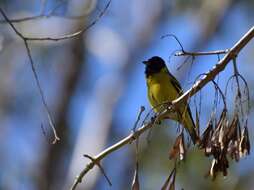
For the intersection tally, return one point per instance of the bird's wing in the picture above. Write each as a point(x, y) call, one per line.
point(176, 84)
point(190, 125)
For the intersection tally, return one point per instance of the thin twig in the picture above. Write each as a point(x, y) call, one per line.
point(220, 66)
point(182, 52)
point(185, 61)
point(23, 19)
point(56, 138)
point(100, 167)
point(237, 79)
point(51, 123)
point(135, 182)
point(174, 36)
point(127, 140)
point(63, 37)
point(141, 110)
point(43, 15)
point(239, 94)
point(201, 53)
point(26, 39)
point(11, 25)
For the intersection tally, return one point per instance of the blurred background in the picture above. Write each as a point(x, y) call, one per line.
point(94, 86)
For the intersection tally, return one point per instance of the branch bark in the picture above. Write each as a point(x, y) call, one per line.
point(209, 76)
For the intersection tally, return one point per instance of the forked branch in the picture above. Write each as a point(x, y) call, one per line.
point(28, 51)
point(231, 54)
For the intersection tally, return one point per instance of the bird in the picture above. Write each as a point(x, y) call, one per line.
point(162, 88)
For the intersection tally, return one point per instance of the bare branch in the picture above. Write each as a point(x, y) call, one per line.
point(182, 52)
point(23, 19)
point(220, 66)
point(127, 140)
point(201, 53)
point(51, 123)
point(209, 76)
point(216, 86)
point(11, 25)
point(174, 36)
point(100, 167)
point(142, 109)
point(63, 37)
point(43, 15)
point(26, 39)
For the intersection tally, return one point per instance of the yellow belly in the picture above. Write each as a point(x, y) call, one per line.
point(160, 90)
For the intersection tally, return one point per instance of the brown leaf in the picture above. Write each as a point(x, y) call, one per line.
point(219, 165)
point(232, 133)
point(197, 123)
point(170, 182)
point(223, 164)
point(176, 148)
point(232, 139)
point(214, 169)
point(233, 150)
point(222, 133)
point(222, 118)
point(135, 181)
point(206, 138)
point(216, 138)
point(182, 149)
point(244, 146)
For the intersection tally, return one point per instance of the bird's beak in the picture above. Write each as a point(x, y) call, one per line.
point(145, 62)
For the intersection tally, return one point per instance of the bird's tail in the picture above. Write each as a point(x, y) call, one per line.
point(189, 125)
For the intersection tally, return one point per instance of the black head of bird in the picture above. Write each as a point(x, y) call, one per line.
point(154, 65)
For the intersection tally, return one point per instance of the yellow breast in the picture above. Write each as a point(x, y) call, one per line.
point(160, 90)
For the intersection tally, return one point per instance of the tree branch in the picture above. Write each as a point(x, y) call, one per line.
point(43, 15)
point(63, 37)
point(50, 119)
point(209, 76)
point(220, 66)
point(201, 53)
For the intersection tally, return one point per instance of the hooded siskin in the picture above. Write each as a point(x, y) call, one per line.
point(163, 87)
